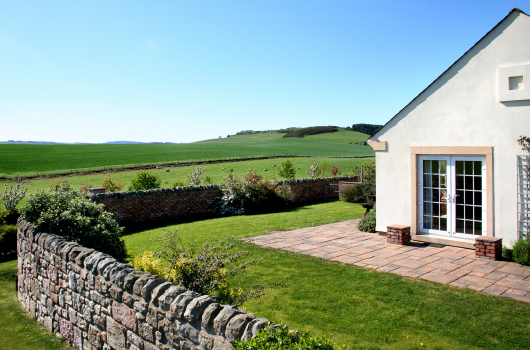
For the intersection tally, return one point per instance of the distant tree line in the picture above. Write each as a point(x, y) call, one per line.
point(369, 129)
point(313, 130)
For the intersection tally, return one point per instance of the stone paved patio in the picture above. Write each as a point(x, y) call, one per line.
point(444, 264)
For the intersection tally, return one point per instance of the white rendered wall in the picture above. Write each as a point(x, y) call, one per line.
point(461, 108)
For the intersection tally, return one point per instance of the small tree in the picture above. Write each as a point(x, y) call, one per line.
point(13, 196)
point(314, 170)
point(194, 178)
point(145, 180)
point(287, 170)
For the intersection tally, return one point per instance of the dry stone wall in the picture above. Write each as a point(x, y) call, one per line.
point(96, 302)
point(188, 202)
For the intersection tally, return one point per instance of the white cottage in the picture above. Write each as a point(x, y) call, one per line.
point(447, 163)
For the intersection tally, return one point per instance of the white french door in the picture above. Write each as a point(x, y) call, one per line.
point(452, 195)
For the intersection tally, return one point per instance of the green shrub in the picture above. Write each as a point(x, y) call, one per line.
point(357, 193)
point(145, 180)
point(8, 238)
point(367, 224)
point(251, 195)
point(507, 252)
point(521, 251)
point(65, 212)
point(281, 338)
point(287, 170)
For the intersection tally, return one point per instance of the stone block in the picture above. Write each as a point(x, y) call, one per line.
point(223, 318)
point(178, 307)
point(125, 315)
point(236, 327)
point(116, 335)
point(196, 307)
point(166, 299)
point(150, 286)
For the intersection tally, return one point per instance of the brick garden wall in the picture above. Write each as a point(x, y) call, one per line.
point(96, 302)
point(189, 202)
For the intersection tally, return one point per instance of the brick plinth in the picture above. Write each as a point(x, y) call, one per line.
point(488, 247)
point(398, 234)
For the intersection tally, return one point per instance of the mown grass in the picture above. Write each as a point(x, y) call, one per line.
point(361, 308)
point(214, 171)
point(18, 331)
point(35, 159)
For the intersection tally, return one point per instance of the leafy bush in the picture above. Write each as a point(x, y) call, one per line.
point(281, 338)
point(65, 212)
point(335, 171)
point(251, 196)
point(521, 251)
point(145, 180)
point(357, 193)
point(507, 252)
point(367, 224)
point(8, 238)
point(110, 185)
point(204, 270)
point(287, 170)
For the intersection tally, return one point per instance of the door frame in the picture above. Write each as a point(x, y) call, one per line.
point(451, 191)
point(484, 151)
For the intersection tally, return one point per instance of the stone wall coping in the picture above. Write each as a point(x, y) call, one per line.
point(488, 239)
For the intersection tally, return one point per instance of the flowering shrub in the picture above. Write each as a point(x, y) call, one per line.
point(65, 212)
point(357, 193)
point(84, 189)
point(110, 185)
point(204, 270)
point(251, 195)
point(335, 171)
point(145, 180)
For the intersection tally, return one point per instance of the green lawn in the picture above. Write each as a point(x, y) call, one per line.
point(36, 159)
point(17, 329)
point(214, 171)
point(361, 308)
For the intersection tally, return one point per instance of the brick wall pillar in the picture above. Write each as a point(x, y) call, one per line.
point(398, 234)
point(488, 247)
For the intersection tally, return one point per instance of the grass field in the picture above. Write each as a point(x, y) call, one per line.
point(37, 159)
point(361, 308)
point(214, 171)
point(18, 331)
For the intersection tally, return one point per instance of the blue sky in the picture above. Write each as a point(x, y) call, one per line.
point(183, 71)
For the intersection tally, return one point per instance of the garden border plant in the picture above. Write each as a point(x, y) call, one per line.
point(65, 212)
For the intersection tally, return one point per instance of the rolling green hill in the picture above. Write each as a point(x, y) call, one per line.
point(31, 159)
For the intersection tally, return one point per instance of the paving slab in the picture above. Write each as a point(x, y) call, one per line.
point(458, 267)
